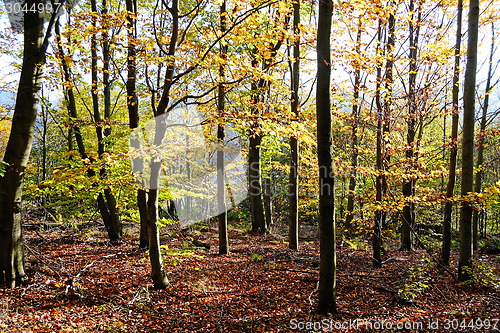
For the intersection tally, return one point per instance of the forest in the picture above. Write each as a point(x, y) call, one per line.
point(249, 166)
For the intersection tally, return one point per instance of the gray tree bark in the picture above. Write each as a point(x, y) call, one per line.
point(354, 135)
point(293, 181)
point(221, 181)
point(481, 141)
point(328, 260)
point(452, 169)
point(12, 260)
point(466, 250)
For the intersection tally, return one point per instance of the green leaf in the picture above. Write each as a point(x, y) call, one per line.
point(3, 165)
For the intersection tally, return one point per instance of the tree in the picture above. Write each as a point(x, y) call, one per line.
point(466, 249)
point(258, 88)
point(12, 265)
point(379, 181)
point(408, 185)
point(354, 136)
point(481, 141)
point(133, 111)
point(450, 187)
point(293, 182)
point(328, 260)
point(106, 200)
point(221, 183)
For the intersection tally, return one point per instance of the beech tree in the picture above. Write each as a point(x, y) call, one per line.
point(466, 246)
point(328, 260)
point(133, 111)
point(221, 183)
point(293, 182)
point(36, 39)
point(450, 187)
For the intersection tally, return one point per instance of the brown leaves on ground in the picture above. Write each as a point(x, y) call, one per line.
point(79, 282)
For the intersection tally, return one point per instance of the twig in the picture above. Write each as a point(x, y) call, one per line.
point(39, 257)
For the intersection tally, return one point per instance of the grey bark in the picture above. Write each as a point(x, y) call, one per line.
point(466, 250)
point(354, 135)
point(450, 187)
point(328, 260)
point(12, 260)
point(481, 141)
point(293, 181)
point(408, 186)
point(221, 187)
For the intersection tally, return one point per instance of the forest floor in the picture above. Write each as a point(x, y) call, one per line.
point(79, 282)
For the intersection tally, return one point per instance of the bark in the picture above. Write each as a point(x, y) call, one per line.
point(328, 264)
point(389, 80)
point(466, 250)
point(450, 187)
point(354, 135)
point(69, 95)
point(254, 167)
point(12, 260)
point(160, 280)
point(221, 188)
point(268, 204)
point(293, 181)
point(376, 242)
point(408, 186)
point(480, 148)
point(105, 201)
point(133, 115)
point(254, 161)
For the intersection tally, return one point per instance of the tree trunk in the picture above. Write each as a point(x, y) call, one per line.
point(254, 165)
point(328, 264)
point(377, 242)
point(106, 201)
point(133, 115)
point(480, 148)
point(12, 261)
point(255, 183)
point(354, 135)
point(268, 204)
point(389, 80)
point(160, 280)
point(293, 181)
point(408, 186)
point(466, 251)
point(221, 181)
point(448, 207)
point(254, 162)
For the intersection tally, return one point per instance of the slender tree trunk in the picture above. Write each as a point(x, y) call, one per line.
point(408, 186)
point(389, 80)
point(254, 161)
point(106, 201)
point(480, 148)
point(268, 204)
point(160, 280)
point(377, 242)
point(133, 114)
point(354, 134)
point(254, 165)
point(328, 260)
point(12, 260)
point(448, 207)
point(293, 181)
point(466, 250)
point(44, 149)
point(221, 181)
point(69, 94)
